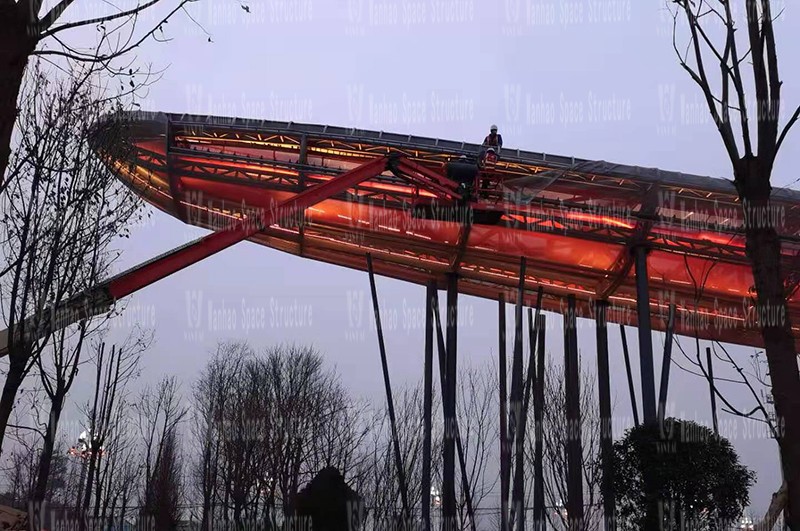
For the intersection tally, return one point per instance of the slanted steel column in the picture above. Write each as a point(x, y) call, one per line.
point(398, 460)
point(645, 335)
point(504, 454)
point(606, 443)
point(533, 333)
point(462, 462)
point(449, 399)
point(631, 390)
point(572, 388)
point(665, 364)
point(539, 517)
point(516, 388)
point(711, 391)
point(427, 407)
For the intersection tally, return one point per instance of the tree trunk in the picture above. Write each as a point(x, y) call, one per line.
point(14, 378)
point(764, 250)
point(774, 510)
point(87, 494)
point(123, 510)
point(46, 457)
point(15, 48)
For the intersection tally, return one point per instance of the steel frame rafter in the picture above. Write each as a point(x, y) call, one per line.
point(545, 207)
point(622, 266)
point(268, 165)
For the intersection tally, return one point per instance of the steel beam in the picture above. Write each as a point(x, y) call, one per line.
point(430, 179)
point(539, 517)
point(665, 365)
point(440, 181)
point(572, 388)
point(629, 372)
point(645, 335)
point(604, 400)
point(398, 460)
point(427, 407)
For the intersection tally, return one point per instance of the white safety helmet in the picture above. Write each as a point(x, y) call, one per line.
point(493, 128)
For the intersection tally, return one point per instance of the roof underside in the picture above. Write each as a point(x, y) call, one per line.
point(574, 220)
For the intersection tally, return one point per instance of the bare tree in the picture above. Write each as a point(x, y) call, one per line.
point(264, 424)
point(554, 444)
point(27, 438)
point(754, 378)
point(479, 428)
point(56, 385)
point(62, 213)
point(165, 486)
point(300, 387)
point(752, 158)
point(27, 30)
point(210, 400)
point(20, 467)
point(338, 432)
point(111, 469)
point(160, 413)
point(245, 435)
point(106, 414)
point(375, 479)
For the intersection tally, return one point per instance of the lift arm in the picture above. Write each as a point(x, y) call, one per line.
point(99, 299)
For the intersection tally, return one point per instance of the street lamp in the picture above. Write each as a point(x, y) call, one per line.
point(436, 498)
point(84, 447)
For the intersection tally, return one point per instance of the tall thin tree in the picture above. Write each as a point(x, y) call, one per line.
point(752, 137)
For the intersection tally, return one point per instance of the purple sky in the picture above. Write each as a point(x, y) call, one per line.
point(595, 79)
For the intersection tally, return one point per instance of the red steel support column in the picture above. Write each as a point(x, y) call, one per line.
point(101, 296)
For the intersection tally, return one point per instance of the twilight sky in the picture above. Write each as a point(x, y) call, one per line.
point(595, 79)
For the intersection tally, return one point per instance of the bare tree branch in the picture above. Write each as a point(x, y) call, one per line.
point(786, 128)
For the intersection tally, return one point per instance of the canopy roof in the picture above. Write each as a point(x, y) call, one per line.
point(575, 221)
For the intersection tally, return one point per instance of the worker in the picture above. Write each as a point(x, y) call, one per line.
point(493, 140)
point(492, 143)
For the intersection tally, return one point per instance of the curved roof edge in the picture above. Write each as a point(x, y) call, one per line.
point(159, 119)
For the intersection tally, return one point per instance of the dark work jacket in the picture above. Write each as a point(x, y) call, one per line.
point(497, 142)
